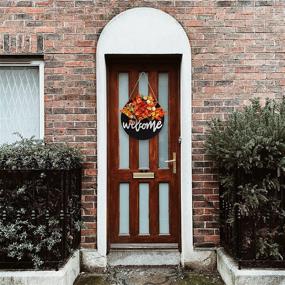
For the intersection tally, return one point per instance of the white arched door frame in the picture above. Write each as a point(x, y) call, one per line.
point(145, 31)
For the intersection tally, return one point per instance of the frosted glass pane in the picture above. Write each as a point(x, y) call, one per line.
point(143, 144)
point(163, 135)
point(124, 209)
point(19, 103)
point(164, 208)
point(144, 208)
point(143, 154)
point(123, 136)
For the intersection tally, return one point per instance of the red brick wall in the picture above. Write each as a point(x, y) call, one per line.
point(238, 50)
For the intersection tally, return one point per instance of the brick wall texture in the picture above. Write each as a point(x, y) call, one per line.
point(238, 52)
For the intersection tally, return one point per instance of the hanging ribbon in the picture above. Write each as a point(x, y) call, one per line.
point(136, 84)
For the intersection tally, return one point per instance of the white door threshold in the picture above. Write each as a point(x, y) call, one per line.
point(153, 246)
point(144, 257)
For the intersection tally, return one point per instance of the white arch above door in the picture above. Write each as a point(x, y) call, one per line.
point(145, 31)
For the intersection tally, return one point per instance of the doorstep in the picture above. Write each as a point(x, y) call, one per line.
point(231, 275)
point(144, 257)
point(200, 259)
point(64, 276)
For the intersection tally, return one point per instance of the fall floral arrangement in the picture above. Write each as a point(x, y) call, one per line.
point(143, 107)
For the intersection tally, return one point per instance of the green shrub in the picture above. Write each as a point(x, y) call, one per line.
point(39, 203)
point(249, 139)
point(23, 240)
point(249, 151)
point(34, 154)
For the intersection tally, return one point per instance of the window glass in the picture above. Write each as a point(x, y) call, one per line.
point(163, 135)
point(19, 102)
point(143, 144)
point(123, 136)
point(143, 208)
point(124, 209)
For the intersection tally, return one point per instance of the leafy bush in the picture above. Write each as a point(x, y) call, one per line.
point(23, 240)
point(252, 138)
point(39, 204)
point(34, 154)
point(249, 150)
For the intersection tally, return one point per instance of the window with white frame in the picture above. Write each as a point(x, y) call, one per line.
point(20, 101)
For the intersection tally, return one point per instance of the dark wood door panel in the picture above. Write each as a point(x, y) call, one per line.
point(116, 176)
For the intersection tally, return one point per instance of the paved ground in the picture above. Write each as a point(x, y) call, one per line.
point(148, 276)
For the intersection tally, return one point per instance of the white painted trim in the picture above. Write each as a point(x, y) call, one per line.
point(145, 31)
point(42, 98)
point(40, 65)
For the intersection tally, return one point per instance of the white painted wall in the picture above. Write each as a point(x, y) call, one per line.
point(231, 275)
point(64, 276)
point(145, 31)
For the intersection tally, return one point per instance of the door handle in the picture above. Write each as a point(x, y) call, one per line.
point(173, 160)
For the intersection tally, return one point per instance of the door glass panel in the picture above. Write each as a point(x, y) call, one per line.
point(163, 208)
point(144, 208)
point(163, 135)
point(124, 209)
point(123, 136)
point(143, 144)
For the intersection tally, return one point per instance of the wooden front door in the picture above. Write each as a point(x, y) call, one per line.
point(143, 208)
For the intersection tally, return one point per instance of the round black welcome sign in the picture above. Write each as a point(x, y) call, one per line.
point(141, 130)
point(142, 117)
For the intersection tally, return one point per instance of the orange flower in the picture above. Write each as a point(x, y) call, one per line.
point(141, 108)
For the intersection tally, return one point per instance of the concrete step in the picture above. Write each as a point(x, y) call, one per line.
point(143, 257)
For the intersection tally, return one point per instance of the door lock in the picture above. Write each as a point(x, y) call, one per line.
point(173, 160)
